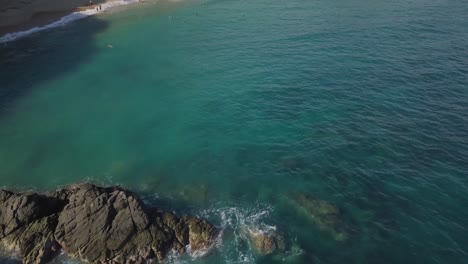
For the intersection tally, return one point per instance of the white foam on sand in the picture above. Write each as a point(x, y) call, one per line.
point(65, 20)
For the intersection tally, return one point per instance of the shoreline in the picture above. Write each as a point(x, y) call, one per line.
point(37, 20)
point(40, 21)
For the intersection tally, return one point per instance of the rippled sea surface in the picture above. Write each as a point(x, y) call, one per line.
point(248, 111)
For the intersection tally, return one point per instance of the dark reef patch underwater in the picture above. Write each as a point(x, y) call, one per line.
point(321, 131)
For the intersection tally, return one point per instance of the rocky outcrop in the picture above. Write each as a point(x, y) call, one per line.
point(96, 225)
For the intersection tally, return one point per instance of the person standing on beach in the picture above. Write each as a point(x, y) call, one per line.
point(100, 7)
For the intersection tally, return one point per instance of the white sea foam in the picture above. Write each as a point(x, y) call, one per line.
point(173, 257)
point(65, 20)
point(235, 223)
point(238, 223)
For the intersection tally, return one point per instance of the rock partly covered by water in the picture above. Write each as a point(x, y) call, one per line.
point(96, 225)
point(267, 242)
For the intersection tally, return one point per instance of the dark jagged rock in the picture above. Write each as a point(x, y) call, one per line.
point(35, 242)
point(18, 209)
point(96, 225)
point(97, 222)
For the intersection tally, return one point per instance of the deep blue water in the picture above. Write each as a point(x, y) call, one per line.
point(231, 109)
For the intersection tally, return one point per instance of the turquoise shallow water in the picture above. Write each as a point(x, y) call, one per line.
point(230, 109)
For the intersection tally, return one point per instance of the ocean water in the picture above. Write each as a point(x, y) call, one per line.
point(231, 109)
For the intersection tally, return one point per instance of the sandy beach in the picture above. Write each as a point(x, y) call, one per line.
point(22, 15)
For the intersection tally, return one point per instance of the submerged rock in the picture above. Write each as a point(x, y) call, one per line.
point(199, 194)
point(292, 163)
point(325, 215)
point(96, 225)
